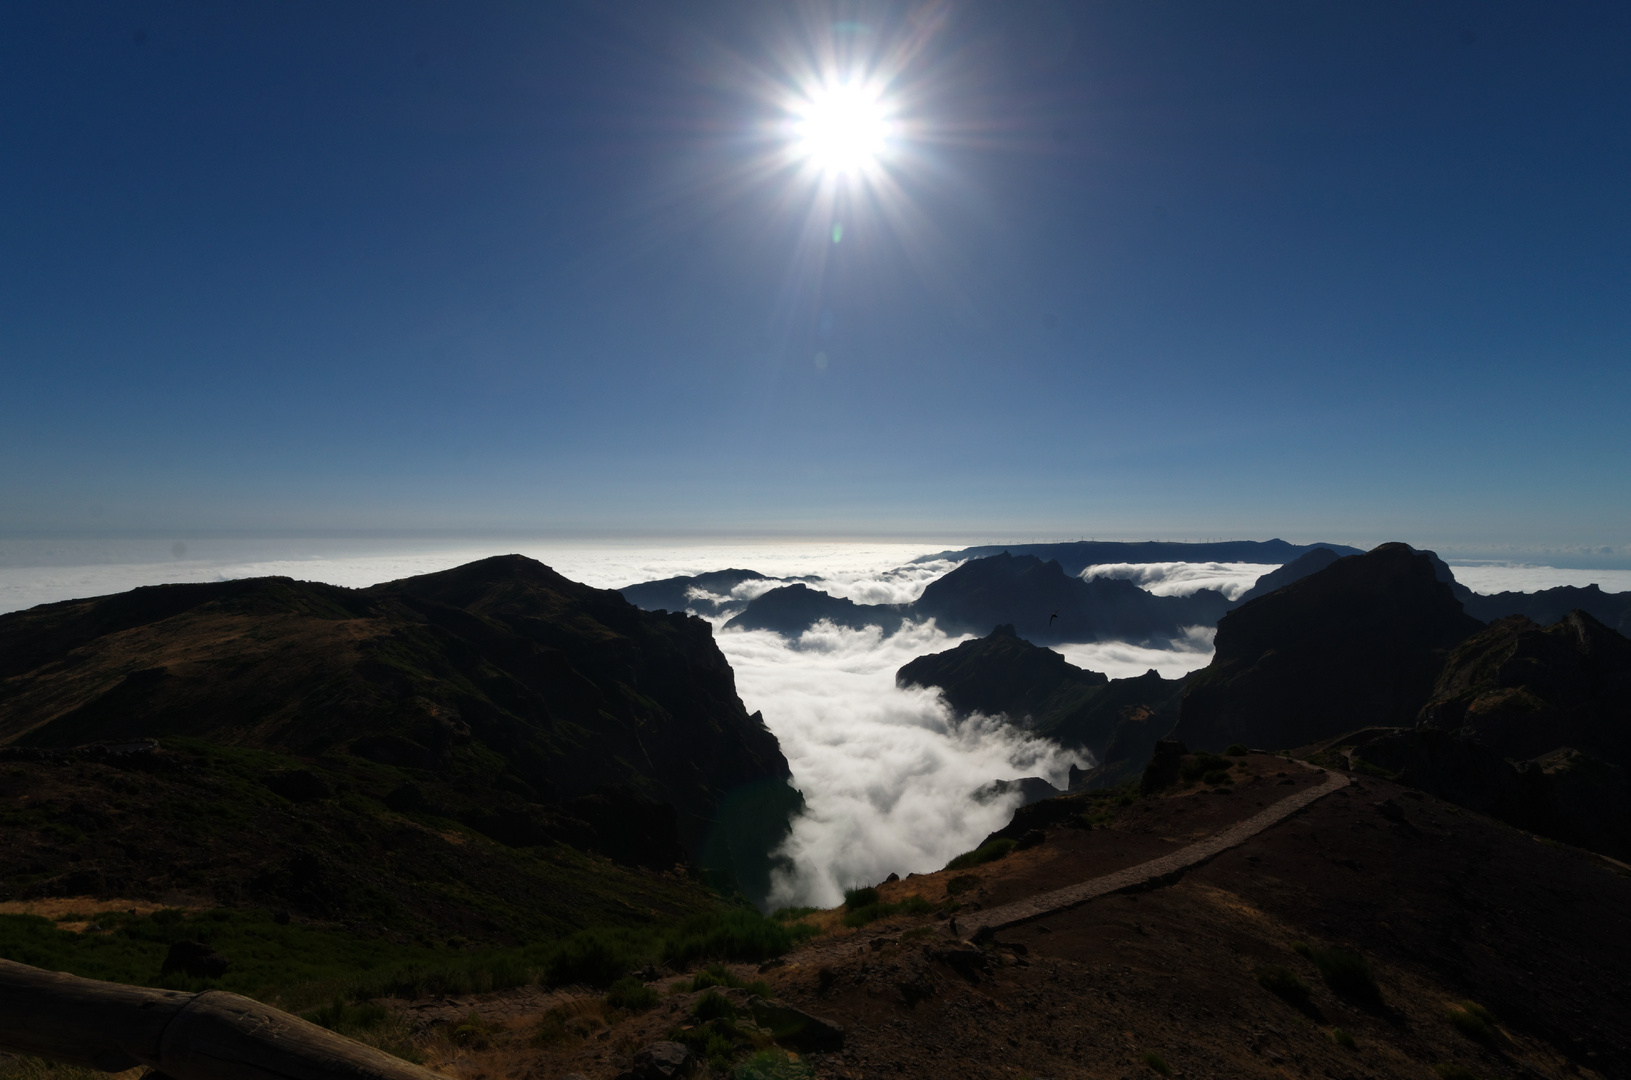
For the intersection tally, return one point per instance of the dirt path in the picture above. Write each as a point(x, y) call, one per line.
point(1155, 870)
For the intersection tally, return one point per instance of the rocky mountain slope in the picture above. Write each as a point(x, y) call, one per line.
point(1355, 645)
point(1378, 933)
point(1530, 724)
point(500, 695)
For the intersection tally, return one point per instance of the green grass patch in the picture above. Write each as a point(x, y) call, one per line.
point(990, 851)
point(1449, 1071)
point(1343, 1039)
point(1156, 1062)
point(912, 905)
point(792, 914)
point(303, 967)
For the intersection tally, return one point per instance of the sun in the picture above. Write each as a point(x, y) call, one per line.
point(843, 127)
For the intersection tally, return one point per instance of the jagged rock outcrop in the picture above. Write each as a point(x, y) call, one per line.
point(1528, 724)
point(1355, 645)
point(1526, 690)
point(528, 706)
point(1548, 606)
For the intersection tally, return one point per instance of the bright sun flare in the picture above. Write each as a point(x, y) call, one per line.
point(843, 128)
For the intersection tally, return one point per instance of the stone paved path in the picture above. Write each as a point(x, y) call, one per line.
point(1152, 872)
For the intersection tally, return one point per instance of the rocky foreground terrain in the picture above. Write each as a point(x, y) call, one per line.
point(1377, 933)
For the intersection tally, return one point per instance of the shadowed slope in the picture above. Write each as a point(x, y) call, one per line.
point(502, 687)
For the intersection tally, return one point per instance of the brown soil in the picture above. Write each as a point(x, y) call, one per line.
point(1445, 905)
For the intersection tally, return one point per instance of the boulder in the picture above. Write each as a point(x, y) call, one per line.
point(660, 1061)
point(795, 1027)
point(1162, 771)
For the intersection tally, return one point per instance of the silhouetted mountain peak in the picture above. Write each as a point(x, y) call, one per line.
point(1356, 644)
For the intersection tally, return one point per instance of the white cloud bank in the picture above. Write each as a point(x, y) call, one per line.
point(887, 775)
point(1184, 578)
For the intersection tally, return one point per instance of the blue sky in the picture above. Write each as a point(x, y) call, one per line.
point(1315, 270)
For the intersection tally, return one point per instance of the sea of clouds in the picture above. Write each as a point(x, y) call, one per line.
point(887, 774)
point(1184, 579)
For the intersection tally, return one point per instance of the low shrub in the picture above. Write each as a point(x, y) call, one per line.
point(961, 884)
point(737, 934)
point(631, 995)
point(1448, 1071)
point(860, 898)
point(593, 958)
point(1343, 1039)
point(1236, 750)
point(713, 1006)
point(1156, 1062)
point(1347, 974)
point(990, 851)
point(1284, 984)
point(1217, 776)
point(1475, 1022)
point(1199, 764)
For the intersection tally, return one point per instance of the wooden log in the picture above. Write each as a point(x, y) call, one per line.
point(215, 1035)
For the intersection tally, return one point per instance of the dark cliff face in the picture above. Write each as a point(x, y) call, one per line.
point(1357, 644)
point(516, 698)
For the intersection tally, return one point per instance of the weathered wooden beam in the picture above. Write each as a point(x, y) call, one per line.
point(215, 1035)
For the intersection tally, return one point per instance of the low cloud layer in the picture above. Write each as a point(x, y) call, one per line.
point(1121, 660)
point(887, 774)
point(1490, 578)
point(1184, 578)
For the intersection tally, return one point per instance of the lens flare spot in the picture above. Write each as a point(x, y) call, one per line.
point(837, 233)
